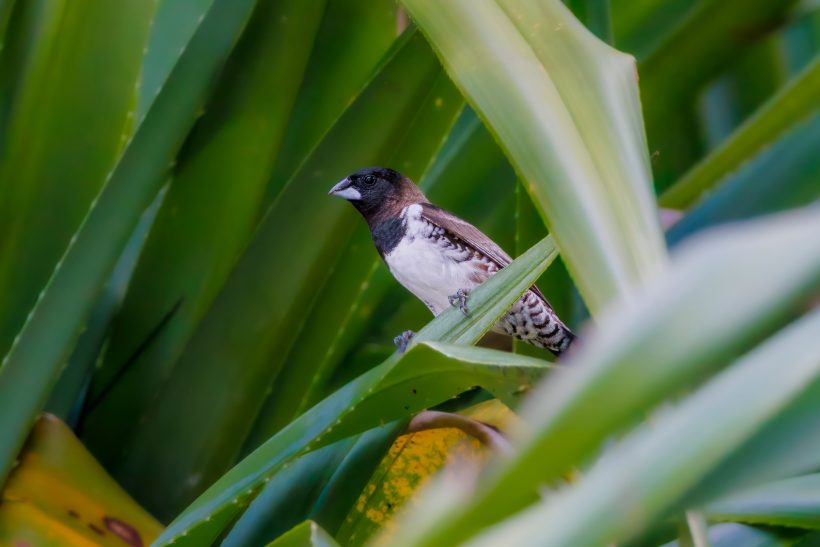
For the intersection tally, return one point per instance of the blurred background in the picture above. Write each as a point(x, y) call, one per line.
point(224, 293)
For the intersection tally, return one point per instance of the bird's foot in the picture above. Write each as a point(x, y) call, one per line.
point(403, 340)
point(459, 300)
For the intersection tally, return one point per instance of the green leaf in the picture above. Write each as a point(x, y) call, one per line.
point(173, 26)
point(564, 106)
point(352, 39)
point(733, 535)
point(321, 486)
point(307, 534)
point(68, 122)
point(793, 103)
point(790, 502)
point(678, 68)
point(781, 177)
point(647, 473)
point(31, 367)
point(206, 218)
point(251, 323)
point(645, 350)
point(402, 385)
point(380, 395)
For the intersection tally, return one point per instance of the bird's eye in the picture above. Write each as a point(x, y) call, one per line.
point(369, 180)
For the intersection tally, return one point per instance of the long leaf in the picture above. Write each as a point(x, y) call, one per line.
point(792, 104)
point(237, 351)
point(565, 108)
point(683, 327)
point(67, 125)
point(781, 177)
point(650, 471)
point(341, 414)
point(790, 502)
point(30, 368)
point(206, 219)
point(678, 67)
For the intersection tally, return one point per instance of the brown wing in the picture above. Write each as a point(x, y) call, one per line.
point(470, 235)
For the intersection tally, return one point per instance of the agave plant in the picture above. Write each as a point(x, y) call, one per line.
point(181, 292)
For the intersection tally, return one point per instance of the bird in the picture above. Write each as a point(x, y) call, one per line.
point(440, 258)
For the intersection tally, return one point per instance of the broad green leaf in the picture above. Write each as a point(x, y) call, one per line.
point(60, 495)
point(683, 327)
point(679, 66)
point(233, 358)
point(320, 486)
point(307, 534)
point(206, 219)
point(68, 122)
point(564, 106)
point(31, 367)
point(790, 502)
point(342, 414)
point(793, 103)
point(781, 177)
point(647, 473)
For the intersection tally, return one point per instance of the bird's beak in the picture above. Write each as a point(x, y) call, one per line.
point(344, 190)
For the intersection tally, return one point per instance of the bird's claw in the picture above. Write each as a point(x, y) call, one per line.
point(403, 340)
point(459, 300)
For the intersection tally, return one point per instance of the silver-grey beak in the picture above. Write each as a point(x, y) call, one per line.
point(343, 189)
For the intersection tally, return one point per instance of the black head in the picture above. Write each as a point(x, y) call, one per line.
point(377, 191)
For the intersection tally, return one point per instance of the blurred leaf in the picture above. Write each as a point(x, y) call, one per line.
point(68, 122)
point(307, 534)
point(747, 83)
point(781, 177)
point(319, 485)
point(790, 502)
point(647, 349)
point(59, 495)
point(565, 108)
point(352, 39)
point(173, 26)
point(639, 25)
point(31, 367)
point(792, 104)
point(412, 460)
point(680, 66)
point(596, 16)
point(647, 473)
point(233, 358)
point(341, 414)
point(734, 535)
point(68, 398)
point(205, 221)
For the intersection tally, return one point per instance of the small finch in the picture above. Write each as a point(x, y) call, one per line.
point(439, 257)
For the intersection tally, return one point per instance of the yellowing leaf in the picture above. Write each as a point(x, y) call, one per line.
point(59, 495)
point(409, 464)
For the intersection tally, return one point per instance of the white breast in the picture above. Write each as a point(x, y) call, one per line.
point(428, 266)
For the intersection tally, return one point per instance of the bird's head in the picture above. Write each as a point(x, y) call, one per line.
point(376, 191)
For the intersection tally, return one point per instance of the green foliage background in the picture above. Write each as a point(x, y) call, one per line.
point(180, 290)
